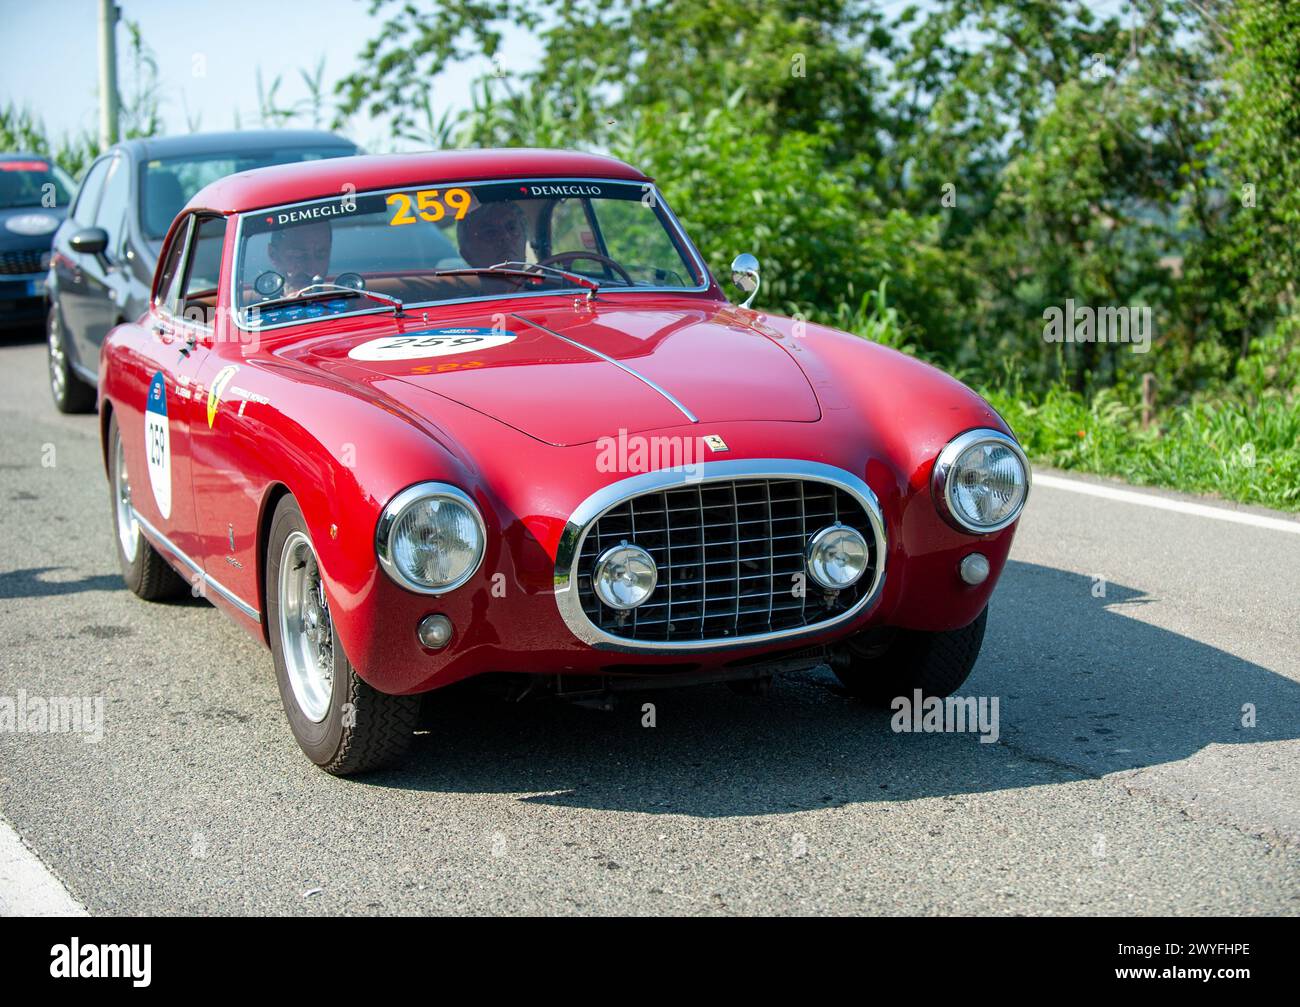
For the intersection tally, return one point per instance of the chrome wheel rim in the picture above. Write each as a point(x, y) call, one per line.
point(128, 529)
point(305, 629)
point(58, 362)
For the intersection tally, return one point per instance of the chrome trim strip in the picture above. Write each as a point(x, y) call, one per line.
point(393, 511)
point(698, 260)
point(941, 488)
point(617, 363)
point(585, 516)
point(208, 580)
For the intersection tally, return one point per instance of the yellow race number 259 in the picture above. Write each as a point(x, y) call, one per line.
point(430, 204)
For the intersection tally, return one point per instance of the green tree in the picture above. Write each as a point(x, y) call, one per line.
point(1261, 162)
point(985, 158)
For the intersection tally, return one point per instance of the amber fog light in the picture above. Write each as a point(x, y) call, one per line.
point(434, 631)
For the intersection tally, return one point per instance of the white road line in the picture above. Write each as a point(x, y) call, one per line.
point(1164, 503)
point(27, 888)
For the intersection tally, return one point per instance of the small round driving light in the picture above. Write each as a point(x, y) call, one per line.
point(837, 557)
point(974, 569)
point(625, 576)
point(434, 631)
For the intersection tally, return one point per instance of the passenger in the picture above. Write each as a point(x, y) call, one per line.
point(301, 254)
point(493, 234)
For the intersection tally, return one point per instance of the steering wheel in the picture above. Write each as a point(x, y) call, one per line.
point(568, 257)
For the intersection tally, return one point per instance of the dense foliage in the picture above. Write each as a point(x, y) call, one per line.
point(985, 160)
point(939, 176)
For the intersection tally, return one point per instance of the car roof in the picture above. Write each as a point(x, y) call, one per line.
point(242, 142)
point(24, 155)
point(292, 183)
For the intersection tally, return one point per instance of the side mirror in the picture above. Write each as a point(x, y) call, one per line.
point(744, 274)
point(89, 241)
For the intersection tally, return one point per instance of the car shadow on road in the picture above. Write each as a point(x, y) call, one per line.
point(32, 583)
point(1084, 689)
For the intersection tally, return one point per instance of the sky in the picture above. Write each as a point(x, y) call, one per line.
point(208, 54)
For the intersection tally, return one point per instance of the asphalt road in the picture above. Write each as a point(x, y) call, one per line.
point(1123, 780)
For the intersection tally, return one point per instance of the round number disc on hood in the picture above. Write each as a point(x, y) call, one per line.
point(431, 343)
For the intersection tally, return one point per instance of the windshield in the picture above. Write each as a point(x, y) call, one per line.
point(167, 184)
point(32, 182)
point(458, 242)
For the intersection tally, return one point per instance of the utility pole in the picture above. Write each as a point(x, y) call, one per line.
point(107, 74)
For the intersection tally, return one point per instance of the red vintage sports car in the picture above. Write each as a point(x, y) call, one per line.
point(411, 419)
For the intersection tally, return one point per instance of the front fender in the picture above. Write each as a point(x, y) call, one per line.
point(906, 412)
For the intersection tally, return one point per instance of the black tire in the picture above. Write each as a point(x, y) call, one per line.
point(70, 393)
point(935, 663)
point(146, 573)
point(362, 729)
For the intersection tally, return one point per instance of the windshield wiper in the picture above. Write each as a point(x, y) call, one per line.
point(583, 281)
point(489, 270)
point(316, 293)
point(530, 270)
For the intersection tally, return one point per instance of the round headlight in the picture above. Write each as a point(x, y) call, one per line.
point(430, 538)
point(624, 577)
point(837, 557)
point(981, 480)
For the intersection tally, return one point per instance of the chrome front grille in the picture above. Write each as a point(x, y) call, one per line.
point(731, 557)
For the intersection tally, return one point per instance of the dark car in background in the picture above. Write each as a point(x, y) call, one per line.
point(105, 251)
point(34, 195)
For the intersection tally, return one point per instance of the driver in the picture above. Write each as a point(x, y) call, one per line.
point(492, 234)
point(301, 254)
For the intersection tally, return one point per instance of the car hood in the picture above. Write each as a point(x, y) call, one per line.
point(573, 373)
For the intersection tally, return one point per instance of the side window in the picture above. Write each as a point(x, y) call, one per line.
point(203, 271)
point(111, 215)
point(88, 195)
point(169, 279)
